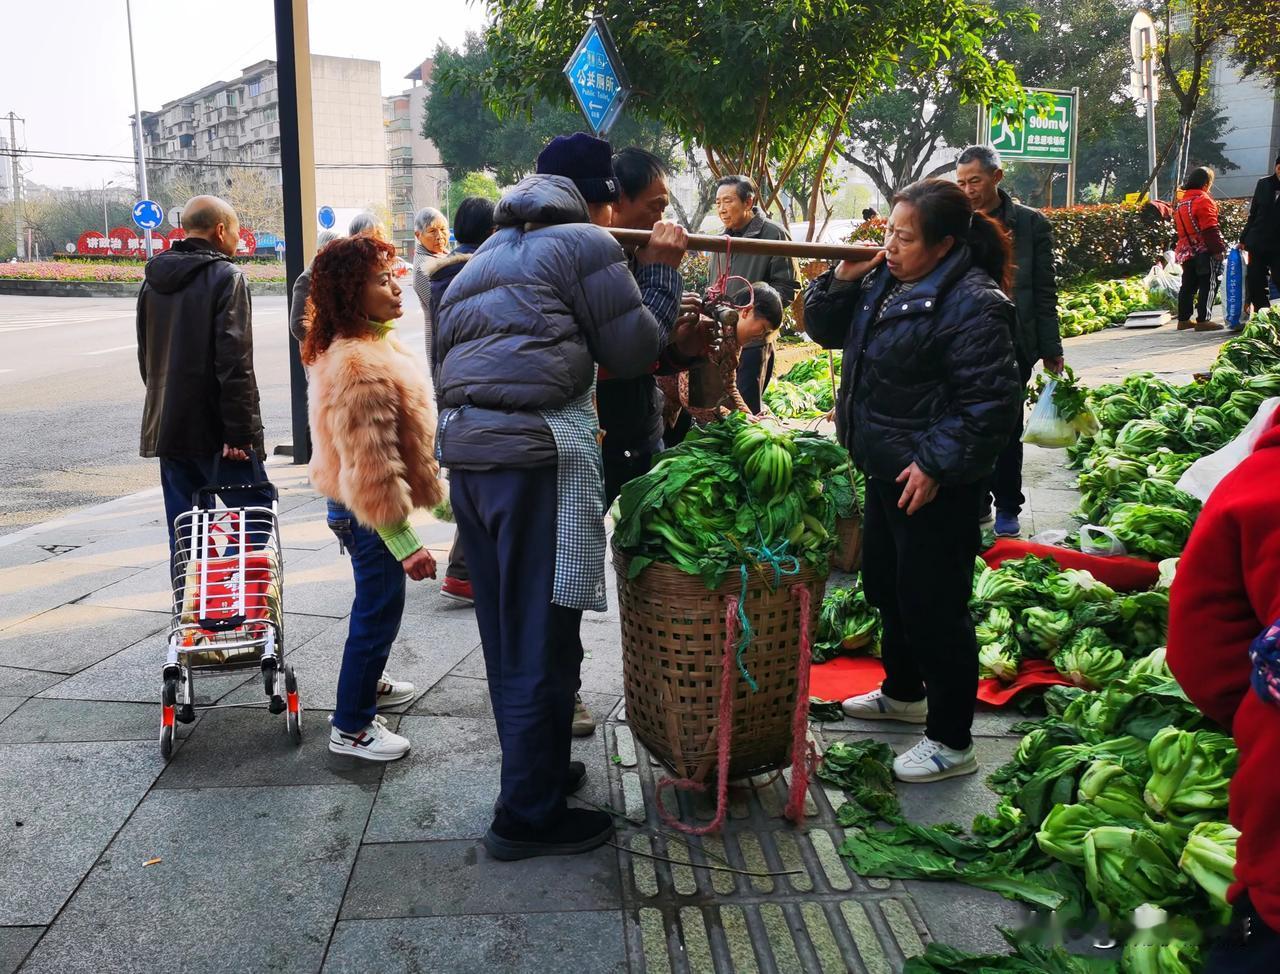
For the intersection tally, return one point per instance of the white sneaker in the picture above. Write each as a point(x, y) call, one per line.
point(931, 761)
point(876, 706)
point(374, 743)
point(394, 693)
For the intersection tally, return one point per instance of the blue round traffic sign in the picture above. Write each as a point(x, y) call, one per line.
point(147, 214)
point(326, 217)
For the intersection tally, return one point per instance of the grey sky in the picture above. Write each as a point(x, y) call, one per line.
point(66, 66)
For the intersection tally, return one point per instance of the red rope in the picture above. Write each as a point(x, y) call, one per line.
point(803, 756)
point(724, 734)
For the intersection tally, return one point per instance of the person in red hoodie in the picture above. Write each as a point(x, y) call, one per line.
point(1223, 617)
point(1200, 249)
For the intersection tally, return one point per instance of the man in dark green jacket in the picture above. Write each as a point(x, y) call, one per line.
point(736, 199)
point(1036, 295)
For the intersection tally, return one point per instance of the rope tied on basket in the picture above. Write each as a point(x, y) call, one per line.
point(783, 564)
point(803, 756)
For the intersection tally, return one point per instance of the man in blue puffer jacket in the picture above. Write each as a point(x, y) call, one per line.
point(522, 329)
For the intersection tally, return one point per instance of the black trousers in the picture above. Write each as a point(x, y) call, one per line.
point(755, 372)
point(1263, 269)
point(1197, 283)
point(532, 648)
point(918, 571)
point(619, 468)
point(1006, 480)
point(1259, 953)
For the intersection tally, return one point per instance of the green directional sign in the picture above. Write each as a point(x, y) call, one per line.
point(1045, 133)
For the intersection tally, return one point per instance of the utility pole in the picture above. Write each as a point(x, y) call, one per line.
point(137, 122)
point(17, 187)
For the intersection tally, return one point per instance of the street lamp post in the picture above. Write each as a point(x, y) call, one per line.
point(137, 120)
point(106, 230)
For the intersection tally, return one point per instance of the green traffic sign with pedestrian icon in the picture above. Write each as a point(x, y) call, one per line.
point(1044, 133)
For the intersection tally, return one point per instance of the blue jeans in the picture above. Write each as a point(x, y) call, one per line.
point(181, 477)
point(532, 649)
point(375, 619)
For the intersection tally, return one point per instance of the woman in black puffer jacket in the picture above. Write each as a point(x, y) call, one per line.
point(929, 395)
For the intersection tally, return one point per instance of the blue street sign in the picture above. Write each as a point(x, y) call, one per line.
point(326, 217)
point(147, 214)
point(597, 77)
point(279, 246)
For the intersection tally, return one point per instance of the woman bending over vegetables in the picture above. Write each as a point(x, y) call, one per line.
point(373, 423)
point(929, 395)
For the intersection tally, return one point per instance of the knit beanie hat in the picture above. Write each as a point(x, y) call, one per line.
point(587, 161)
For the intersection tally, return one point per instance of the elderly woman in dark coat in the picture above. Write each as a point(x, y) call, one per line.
point(929, 395)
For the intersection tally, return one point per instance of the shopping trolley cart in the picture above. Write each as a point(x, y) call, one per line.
point(228, 613)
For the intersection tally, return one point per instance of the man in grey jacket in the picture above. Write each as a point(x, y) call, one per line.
point(1036, 295)
point(736, 199)
point(521, 331)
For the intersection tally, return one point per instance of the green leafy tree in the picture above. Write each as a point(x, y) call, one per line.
point(472, 184)
point(761, 85)
point(472, 137)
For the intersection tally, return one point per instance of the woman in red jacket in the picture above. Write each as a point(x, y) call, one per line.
point(1200, 249)
point(1225, 600)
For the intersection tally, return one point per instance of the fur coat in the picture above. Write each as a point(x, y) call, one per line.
point(373, 422)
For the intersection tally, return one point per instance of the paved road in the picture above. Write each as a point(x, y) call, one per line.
point(71, 399)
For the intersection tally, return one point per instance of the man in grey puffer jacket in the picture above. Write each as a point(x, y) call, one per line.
point(521, 331)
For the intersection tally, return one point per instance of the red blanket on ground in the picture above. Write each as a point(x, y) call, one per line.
point(845, 676)
point(1122, 573)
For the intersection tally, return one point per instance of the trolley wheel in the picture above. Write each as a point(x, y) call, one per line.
point(293, 713)
point(168, 698)
point(269, 677)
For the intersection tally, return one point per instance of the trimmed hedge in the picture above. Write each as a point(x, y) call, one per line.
point(1107, 240)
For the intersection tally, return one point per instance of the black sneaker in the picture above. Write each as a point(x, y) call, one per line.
point(578, 830)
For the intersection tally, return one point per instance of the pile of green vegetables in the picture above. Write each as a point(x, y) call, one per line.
point(1151, 431)
point(1093, 307)
point(805, 391)
point(1030, 609)
point(847, 623)
point(1116, 799)
point(735, 492)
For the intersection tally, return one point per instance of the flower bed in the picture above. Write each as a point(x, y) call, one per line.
point(108, 271)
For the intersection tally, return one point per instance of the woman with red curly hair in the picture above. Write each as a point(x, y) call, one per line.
point(373, 423)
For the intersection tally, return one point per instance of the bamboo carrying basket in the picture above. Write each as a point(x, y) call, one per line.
point(847, 555)
point(673, 630)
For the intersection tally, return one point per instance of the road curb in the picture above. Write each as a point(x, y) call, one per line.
point(102, 289)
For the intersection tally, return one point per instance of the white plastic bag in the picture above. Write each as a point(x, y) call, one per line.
point(1164, 281)
point(1046, 427)
point(1095, 540)
point(1206, 473)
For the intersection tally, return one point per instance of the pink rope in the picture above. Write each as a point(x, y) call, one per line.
point(803, 758)
point(724, 734)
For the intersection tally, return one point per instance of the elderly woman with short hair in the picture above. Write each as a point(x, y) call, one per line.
point(431, 230)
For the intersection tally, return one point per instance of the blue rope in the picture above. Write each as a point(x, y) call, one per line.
point(783, 564)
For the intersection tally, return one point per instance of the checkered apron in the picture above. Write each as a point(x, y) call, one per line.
point(580, 541)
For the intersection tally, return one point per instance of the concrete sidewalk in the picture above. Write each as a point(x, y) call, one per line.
point(245, 853)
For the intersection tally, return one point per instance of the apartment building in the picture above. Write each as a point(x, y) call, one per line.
point(238, 122)
point(415, 177)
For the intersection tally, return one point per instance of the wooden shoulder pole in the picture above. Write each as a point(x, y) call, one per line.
point(774, 248)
